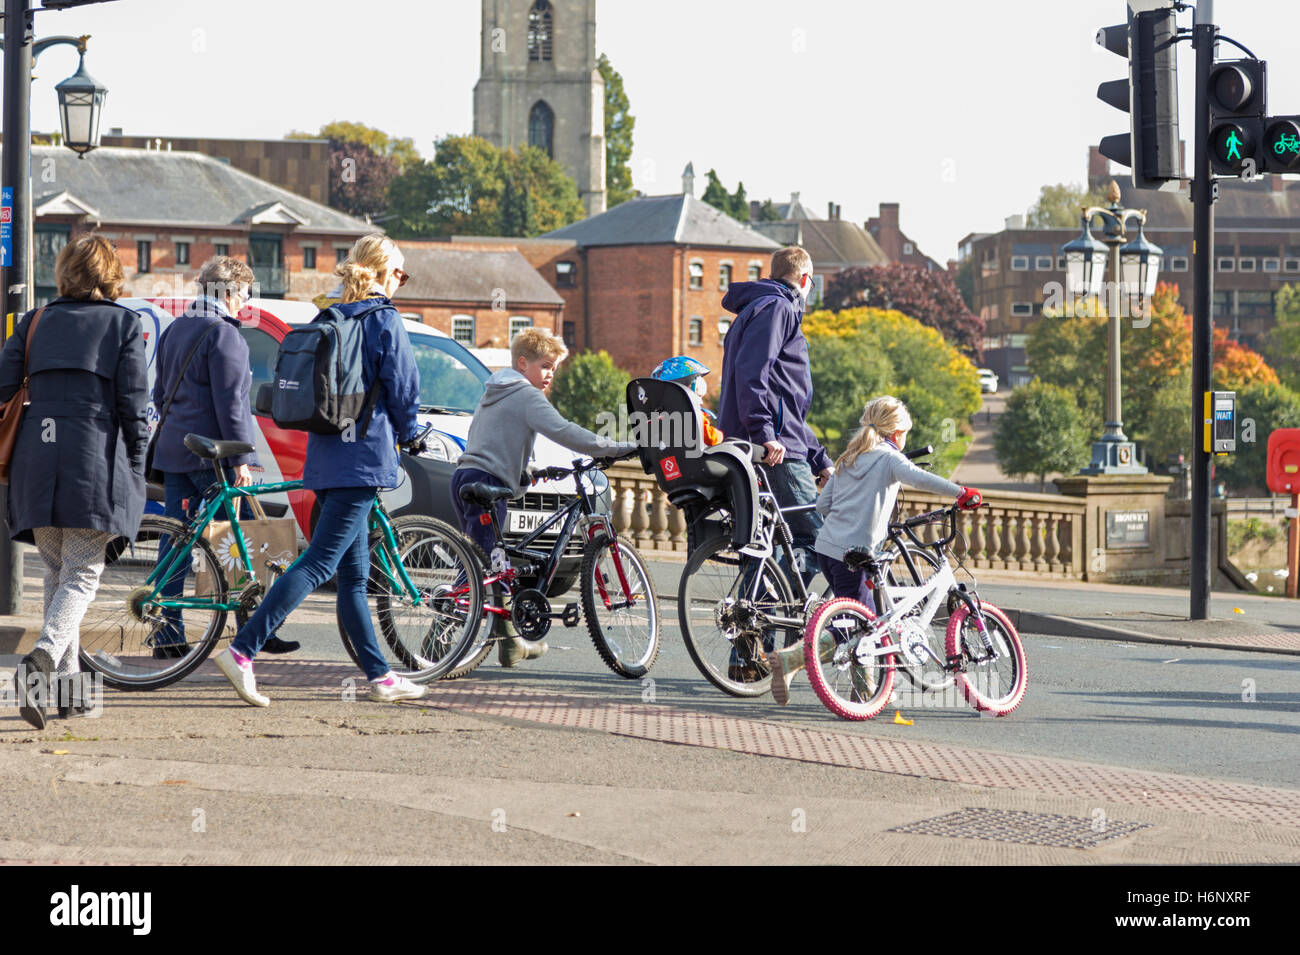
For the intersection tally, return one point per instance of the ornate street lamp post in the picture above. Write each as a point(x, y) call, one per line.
point(1134, 269)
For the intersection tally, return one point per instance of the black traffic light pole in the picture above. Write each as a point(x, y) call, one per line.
point(1204, 192)
point(15, 289)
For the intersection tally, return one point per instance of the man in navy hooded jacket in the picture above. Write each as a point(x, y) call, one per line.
point(767, 388)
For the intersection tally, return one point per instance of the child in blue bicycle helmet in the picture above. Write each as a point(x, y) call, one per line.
point(690, 373)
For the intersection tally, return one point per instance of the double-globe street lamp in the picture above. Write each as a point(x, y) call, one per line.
point(1134, 270)
point(81, 100)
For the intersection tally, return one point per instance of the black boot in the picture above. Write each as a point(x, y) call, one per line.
point(276, 645)
point(33, 683)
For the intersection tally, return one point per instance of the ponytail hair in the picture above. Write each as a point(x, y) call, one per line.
point(368, 263)
point(882, 416)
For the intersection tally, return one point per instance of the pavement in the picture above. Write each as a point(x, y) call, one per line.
point(979, 466)
point(497, 769)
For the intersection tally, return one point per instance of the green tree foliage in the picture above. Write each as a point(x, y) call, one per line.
point(847, 372)
point(619, 123)
point(1069, 351)
point(861, 353)
point(474, 188)
point(734, 204)
point(1262, 408)
point(929, 297)
point(1040, 433)
point(1059, 206)
point(588, 384)
point(767, 212)
point(402, 151)
point(1281, 346)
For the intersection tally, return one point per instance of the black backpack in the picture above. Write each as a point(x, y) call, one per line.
point(319, 381)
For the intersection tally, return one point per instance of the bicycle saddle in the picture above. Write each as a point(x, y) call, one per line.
point(861, 560)
point(483, 494)
point(216, 450)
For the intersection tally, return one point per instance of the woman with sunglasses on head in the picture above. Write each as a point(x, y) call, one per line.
point(346, 471)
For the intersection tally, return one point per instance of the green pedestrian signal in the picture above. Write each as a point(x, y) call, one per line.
point(1234, 145)
point(1230, 145)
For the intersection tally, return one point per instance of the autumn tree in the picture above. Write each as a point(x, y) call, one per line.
point(619, 123)
point(861, 353)
point(364, 161)
point(929, 297)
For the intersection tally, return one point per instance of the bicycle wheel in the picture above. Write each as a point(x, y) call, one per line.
point(723, 601)
point(126, 636)
point(481, 645)
point(922, 672)
point(619, 602)
point(852, 686)
point(422, 641)
point(996, 686)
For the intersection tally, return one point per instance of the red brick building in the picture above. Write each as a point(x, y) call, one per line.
point(168, 212)
point(885, 229)
point(481, 297)
point(645, 280)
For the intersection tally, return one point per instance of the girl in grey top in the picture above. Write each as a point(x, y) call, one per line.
point(856, 505)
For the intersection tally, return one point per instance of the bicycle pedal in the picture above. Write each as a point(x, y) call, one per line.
point(569, 616)
point(955, 664)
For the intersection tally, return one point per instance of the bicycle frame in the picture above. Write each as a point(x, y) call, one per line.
point(391, 564)
point(581, 508)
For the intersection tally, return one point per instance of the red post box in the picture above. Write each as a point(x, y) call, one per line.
point(1283, 472)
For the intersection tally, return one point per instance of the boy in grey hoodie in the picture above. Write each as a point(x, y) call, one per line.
point(512, 412)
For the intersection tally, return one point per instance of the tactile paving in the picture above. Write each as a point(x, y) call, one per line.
point(666, 723)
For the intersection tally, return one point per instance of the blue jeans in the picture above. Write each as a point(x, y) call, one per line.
point(792, 484)
point(341, 543)
point(183, 500)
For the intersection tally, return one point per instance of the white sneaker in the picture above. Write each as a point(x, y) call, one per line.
point(241, 678)
point(393, 688)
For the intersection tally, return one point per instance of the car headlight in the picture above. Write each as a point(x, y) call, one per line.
point(442, 448)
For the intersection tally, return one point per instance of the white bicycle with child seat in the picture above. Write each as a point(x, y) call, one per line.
point(852, 652)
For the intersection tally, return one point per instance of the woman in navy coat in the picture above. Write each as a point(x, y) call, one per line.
point(77, 474)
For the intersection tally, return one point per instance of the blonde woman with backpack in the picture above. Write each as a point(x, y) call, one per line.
point(346, 471)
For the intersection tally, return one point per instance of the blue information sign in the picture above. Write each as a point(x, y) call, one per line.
point(6, 227)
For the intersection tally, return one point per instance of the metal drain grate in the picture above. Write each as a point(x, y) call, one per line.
point(1028, 828)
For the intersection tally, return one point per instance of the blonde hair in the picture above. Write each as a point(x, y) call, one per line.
point(368, 263)
point(88, 268)
point(534, 343)
point(790, 263)
point(881, 416)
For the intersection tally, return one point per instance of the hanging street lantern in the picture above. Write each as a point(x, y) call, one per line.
point(81, 102)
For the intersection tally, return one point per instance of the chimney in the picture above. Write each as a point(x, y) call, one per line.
point(889, 215)
point(838, 209)
point(688, 180)
point(830, 211)
point(755, 207)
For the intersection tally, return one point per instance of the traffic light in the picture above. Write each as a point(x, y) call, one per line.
point(1149, 95)
point(1237, 101)
point(1282, 144)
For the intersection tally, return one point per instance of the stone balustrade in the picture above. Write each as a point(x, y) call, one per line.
point(1038, 534)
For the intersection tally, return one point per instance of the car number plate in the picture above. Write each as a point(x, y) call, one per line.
point(525, 522)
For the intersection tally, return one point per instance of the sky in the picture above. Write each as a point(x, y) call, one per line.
point(959, 110)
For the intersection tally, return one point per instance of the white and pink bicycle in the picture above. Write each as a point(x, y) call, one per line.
point(853, 652)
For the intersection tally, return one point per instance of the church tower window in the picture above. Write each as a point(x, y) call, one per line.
point(541, 128)
point(539, 31)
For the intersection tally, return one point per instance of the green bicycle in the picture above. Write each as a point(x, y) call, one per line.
point(164, 597)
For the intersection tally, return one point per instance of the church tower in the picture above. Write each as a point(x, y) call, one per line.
point(539, 86)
